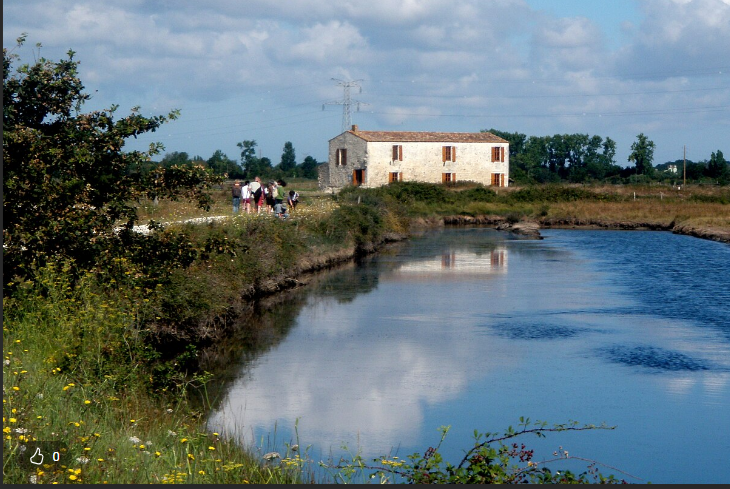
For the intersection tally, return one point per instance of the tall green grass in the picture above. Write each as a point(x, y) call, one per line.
point(75, 371)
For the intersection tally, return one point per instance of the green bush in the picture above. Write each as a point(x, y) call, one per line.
point(478, 194)
point(553, 193)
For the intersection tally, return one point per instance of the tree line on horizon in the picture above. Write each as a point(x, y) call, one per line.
point(574, 158)
point(249, 166)
point(580, 158)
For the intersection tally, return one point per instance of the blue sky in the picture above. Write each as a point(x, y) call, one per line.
point(269, 71)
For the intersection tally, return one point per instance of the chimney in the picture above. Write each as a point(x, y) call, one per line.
point(354, 128)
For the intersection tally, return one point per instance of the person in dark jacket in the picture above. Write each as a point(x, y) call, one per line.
point(236, 194)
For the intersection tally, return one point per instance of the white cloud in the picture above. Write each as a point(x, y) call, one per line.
point(516, 61)
point(567, 44)
point(681, 35)
point(335, 42)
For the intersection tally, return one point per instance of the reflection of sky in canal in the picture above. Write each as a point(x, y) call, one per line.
point(384, 354)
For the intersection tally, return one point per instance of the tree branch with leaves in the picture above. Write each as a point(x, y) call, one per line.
point(67, 182)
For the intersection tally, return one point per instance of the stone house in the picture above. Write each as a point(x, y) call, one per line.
point(375, 158)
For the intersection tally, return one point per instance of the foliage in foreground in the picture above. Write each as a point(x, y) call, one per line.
point(67, 184)
point(489, 461)
point(75, 375)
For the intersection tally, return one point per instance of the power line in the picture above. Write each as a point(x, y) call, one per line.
point(569, 95)
point(347, 102)
point(681, 110)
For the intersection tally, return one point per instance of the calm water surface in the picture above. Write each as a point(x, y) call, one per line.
point(473, 328)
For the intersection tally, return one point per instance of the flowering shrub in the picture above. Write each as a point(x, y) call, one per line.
point(489, 461)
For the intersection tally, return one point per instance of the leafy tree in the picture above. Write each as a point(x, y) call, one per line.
point(288, 158)
point(223, 165)
point(308, 168)
point(642, 155)
point(575, 157)
point(696, 170)
point(253, 166)
point(67, 184)
point(717, 167)
point(175, 158)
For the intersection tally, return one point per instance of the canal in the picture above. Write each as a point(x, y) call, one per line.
point(473, 328)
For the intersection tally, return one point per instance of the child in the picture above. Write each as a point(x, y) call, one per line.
point(292, 200)
point(280, 210)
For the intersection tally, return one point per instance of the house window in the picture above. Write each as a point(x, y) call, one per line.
point(448, 153)
point(498, 179)
point(395, 176)
point(498, 154)
point(448, 177)
point(341, 157)
point(397, 152)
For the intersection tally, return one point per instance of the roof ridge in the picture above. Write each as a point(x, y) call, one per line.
point(427, 136)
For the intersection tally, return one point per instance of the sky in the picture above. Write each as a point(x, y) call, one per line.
point(280, 71)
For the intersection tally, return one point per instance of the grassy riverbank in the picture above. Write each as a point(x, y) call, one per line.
point(110, 367)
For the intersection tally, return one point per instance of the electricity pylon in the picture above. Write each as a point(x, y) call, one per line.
point(347, 102)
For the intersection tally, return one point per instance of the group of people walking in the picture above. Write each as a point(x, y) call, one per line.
point(255, 197)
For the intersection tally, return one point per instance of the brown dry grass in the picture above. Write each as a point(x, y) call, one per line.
point(654, 211)
point(653, 204)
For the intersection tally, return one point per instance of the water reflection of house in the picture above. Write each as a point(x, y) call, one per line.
point(454, 264)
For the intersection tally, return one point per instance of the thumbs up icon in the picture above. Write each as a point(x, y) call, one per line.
point(37, 457)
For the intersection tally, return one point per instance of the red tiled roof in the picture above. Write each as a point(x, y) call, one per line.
point(430, 137)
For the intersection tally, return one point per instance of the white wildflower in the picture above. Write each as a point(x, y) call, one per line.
point(33, 479)
point(271, 455)
point(82, 460)
point(134, 439)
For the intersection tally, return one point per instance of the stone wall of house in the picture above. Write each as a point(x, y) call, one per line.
point(340, 176)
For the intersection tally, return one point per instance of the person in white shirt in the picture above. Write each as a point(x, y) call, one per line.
point(246, 196)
